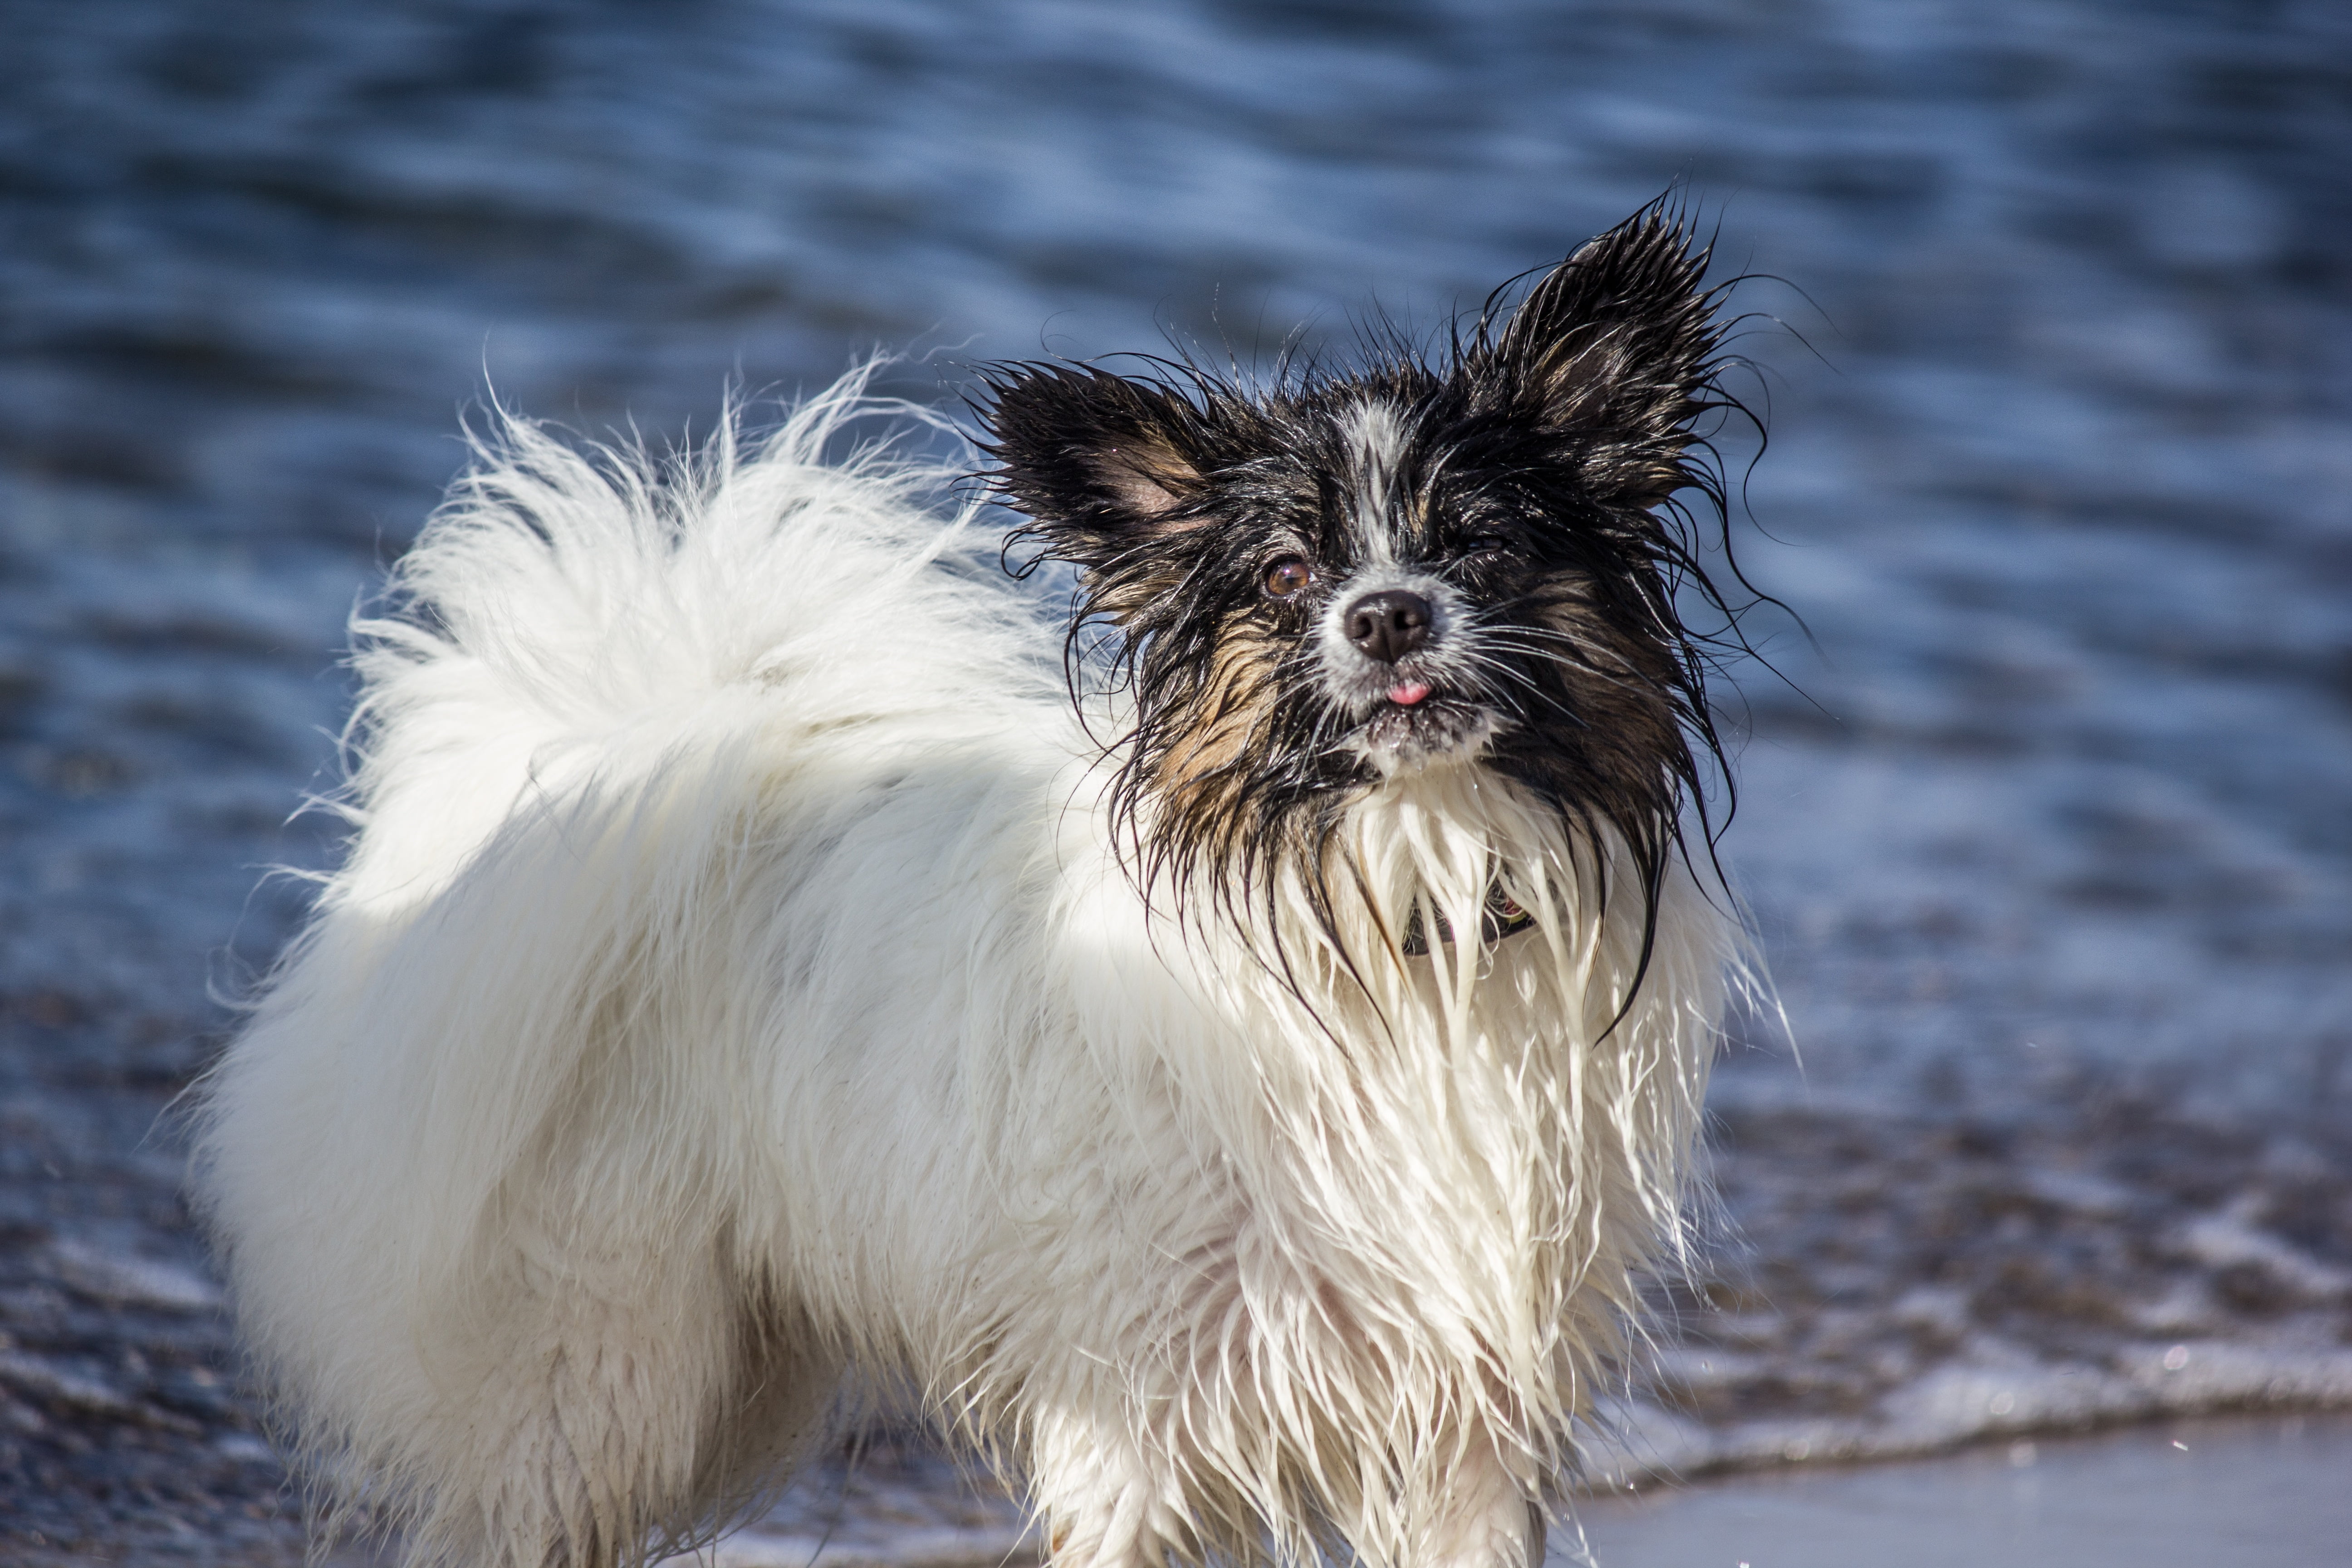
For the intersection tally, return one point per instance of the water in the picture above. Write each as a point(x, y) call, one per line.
point(2048, 839)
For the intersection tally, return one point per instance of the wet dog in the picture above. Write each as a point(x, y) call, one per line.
point(1235, 1049)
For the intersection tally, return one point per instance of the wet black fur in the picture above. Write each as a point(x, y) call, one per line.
point(1543, 454)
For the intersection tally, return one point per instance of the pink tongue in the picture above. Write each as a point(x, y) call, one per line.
point(1411, 692)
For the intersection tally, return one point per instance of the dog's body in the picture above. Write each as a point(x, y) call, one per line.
point(752, 968)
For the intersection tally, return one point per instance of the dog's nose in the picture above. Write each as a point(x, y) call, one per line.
point(1389, 624)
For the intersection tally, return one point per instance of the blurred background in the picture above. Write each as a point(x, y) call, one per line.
point(2046, 829)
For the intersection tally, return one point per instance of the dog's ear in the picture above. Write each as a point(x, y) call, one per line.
point(1103, 464)
point(1614, 350)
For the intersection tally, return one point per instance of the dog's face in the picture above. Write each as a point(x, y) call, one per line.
point(1341, 580)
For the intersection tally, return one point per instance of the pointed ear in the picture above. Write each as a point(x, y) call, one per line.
point(1100, 462)
point(1615, 348)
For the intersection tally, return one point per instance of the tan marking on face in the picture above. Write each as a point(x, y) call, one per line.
point(1130, 593)
point(1621, 682)
point(1233, 705)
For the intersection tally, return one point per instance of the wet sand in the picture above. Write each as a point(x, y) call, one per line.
point(2265, 1492)
point(2244, 1492)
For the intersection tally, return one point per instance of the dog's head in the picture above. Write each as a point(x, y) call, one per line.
point(1340, 580)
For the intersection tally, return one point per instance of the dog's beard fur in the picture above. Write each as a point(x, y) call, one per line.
point(750, 968)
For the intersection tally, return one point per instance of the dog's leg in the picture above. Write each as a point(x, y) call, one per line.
point(785, 1392)
point(1488, 1522)
point(592, 1417)
point(1103, 1501)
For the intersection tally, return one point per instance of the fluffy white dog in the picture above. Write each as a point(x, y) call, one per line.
point(1243, 1098)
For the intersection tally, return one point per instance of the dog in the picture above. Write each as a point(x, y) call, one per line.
point(1231, 1042)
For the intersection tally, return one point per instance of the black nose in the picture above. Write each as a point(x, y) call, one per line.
point(1388, 626)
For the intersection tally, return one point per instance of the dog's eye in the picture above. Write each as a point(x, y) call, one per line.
point(1484, 544)
point(1286, 578)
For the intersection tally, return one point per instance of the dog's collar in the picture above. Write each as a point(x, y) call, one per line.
point(1502, 917)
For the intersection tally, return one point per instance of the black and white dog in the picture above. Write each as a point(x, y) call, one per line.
point(1243, 1098)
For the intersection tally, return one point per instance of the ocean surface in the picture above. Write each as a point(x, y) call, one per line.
point(2045, 808)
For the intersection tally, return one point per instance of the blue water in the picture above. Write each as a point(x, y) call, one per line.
point(2056, 333)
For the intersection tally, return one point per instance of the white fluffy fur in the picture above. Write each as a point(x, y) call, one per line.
point(732, 987)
